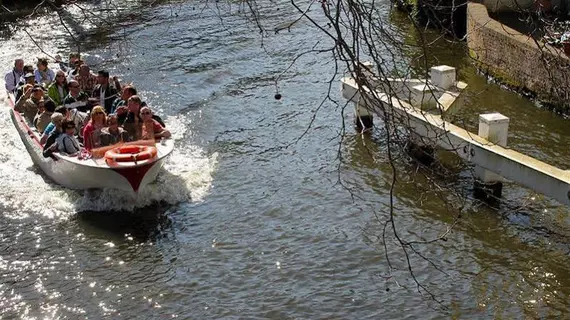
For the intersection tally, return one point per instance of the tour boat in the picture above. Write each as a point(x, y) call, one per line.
point(99, 173)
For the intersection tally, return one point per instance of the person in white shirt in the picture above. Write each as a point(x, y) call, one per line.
point(13, 77)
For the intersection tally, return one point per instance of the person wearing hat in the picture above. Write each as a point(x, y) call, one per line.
point(29, 102)
point(13, 77)
point(28, 78)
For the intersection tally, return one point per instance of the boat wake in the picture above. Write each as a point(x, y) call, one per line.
point(185, 177)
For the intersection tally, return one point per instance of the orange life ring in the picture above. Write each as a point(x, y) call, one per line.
point(130, 153)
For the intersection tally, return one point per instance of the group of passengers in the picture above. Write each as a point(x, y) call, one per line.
point(74, 109)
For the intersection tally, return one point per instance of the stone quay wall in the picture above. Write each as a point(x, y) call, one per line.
point(517, 59)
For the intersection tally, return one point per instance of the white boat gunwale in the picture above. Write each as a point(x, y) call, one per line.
point(74, 173)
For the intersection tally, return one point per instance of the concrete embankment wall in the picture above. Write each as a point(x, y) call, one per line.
point(518, 60)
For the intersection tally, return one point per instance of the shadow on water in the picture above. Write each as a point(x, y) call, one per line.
point(142, 224)
point(112, 214)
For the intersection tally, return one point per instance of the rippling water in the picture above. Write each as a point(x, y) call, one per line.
point(240, 226)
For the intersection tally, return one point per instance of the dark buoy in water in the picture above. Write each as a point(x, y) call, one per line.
point(278, 96)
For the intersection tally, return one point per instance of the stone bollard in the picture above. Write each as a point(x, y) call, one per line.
point(493, 127)
point(443, 76)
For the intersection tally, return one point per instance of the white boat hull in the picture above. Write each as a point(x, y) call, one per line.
point(78, 174)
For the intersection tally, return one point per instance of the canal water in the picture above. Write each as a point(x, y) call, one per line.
point(268, 209)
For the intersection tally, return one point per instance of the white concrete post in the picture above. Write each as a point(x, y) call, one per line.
point(443, 76)
point(493, 127)
point(423, 95)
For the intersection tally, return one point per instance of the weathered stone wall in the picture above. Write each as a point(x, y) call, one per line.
point(516, 59)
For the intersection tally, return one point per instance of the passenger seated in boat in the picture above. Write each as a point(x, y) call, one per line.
point(92, 131)
point(50, 145)
point(43, 118)
point(56, 121)
point(131, 120)
point(86, 79)
point(57, 91)
point(44, 75)
point(113, 134)
point(66, 141)
point(106, 93)
point(51, 126)
point(126, 92)
point(13, 77)
point(41, 109)
point(28, 103)
point(29, 79)
point(151, 129)
point(75, 65)
point(79, 118)
point(129, 117)
point(68, 66)
point(27, 69)
point(75, 98)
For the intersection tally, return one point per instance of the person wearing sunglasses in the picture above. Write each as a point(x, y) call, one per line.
point(57, 91)
point(151, 129)
point(92, 131)
point(66, 142)
point(75, 99)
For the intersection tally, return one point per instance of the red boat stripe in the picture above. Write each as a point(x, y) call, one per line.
point(134, 175)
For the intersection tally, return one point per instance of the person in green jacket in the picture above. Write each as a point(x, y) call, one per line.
point(57, 91)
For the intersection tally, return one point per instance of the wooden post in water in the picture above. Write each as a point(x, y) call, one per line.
point(494, 128)
point(363, 116)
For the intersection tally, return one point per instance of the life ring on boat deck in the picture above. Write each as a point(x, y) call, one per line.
point(131, 153)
